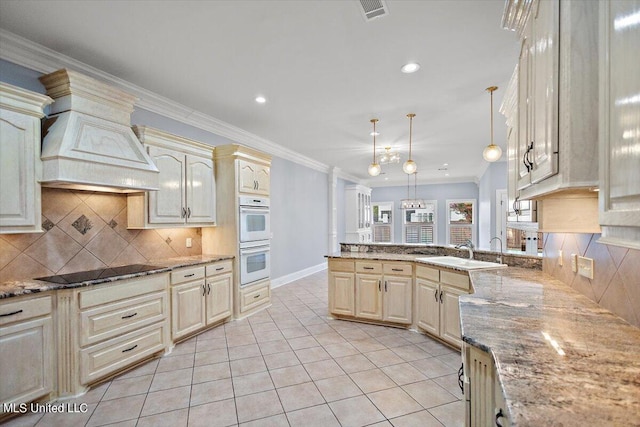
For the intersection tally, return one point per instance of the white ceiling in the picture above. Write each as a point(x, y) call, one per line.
point(324, 70)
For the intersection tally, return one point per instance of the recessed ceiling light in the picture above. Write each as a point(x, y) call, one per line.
point(445, 164)
point(446, 174)
point(261, 99)
point(411, 67)
point(374, 134)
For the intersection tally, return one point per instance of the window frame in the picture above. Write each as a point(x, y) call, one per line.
point(474, 215)
point(434, 224)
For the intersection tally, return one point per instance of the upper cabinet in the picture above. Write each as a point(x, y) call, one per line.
point(619, 197)
point(358, 214)
point(553, 113)
point(20, 168)
point(253, 178)
point(187, 194)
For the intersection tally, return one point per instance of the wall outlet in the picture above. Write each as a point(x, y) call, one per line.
point(189, 242)
point(560, 262)
point(574, 263)
point(585, 267)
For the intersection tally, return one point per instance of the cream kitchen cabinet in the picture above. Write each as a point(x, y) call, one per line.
point(27, 349)
point(253, 178)
point(383, 291)
point(619, 196)
point(555, 122)
point(187, 193)
point(358, 214)
point(437, 294)
point(485, 404)
point(341, 287)
point(20, 167)
point(200, 296)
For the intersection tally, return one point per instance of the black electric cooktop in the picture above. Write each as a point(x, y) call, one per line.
point(104, 273)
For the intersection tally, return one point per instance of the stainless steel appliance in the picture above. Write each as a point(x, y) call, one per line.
point(254, 219)
point(255, 262)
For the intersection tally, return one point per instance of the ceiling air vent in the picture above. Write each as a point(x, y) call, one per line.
point(372, 9)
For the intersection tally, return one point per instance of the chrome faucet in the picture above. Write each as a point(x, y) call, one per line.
point(499, 259)
point(469, 245)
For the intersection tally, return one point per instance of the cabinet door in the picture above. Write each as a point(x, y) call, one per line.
point(546, 70)
point(397, 299)
point(201, 191)
point(450, 315)
point(187, 308)
point(428, 306)
point(167, 205)
point(263, 180)
point(19, 140)
point(369, 296)
point(525, 111)
point(247, 177)
point(26, 362)
point(479, 370)
point(341, 293)
point(218, 298)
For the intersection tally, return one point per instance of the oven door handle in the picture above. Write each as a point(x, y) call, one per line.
point(255, 250)
point(246, 209)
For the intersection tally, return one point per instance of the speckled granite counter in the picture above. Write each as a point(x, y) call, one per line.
point(22, 287)
point(375, 256)
point(597, 380)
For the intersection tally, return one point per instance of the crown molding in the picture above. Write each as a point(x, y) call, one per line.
point(403, 183)
point(34, 56)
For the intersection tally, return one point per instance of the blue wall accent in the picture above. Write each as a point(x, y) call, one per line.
point(439, 192)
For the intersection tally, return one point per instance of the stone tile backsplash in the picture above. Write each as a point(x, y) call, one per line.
point(87, 231)
point(616, 282)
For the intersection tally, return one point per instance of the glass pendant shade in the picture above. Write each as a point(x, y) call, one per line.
point(410, 166)
point(492, 152)
point(374, 169)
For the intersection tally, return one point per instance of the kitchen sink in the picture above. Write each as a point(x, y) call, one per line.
point(461, 263)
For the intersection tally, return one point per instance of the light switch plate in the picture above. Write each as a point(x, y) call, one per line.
point(560, 263)
point(189, 242)
point(585, 267)
point(574, 263)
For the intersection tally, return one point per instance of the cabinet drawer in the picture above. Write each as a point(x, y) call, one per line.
point(131, 288)
point(115, 319)
point(397, 269)
point(254, 296)
point(24, 308)
point(219, 268)
point(454, 279)
point(428, 273)
point(103, 359)
point(187, 275)
point(368, 267)
point(341, 265)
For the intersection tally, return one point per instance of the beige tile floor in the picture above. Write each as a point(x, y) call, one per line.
point(289, 365)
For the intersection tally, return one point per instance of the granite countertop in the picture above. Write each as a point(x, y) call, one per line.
point(561, 359)
point(375, 256)
point(22, 287)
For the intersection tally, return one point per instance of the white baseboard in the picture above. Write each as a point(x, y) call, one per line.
point(283, 280)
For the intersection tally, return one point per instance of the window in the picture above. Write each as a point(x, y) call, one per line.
point(419, 225)
point(460, 221)
point(383, 222)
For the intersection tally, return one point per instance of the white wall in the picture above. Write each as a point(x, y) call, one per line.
point(494, 178)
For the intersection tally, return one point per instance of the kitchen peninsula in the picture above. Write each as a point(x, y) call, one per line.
point(535, 351)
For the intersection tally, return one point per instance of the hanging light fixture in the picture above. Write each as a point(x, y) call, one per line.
point(374, 168)
point(389, 157)
point(410, 166)
point(414, 203)
point(492, 152)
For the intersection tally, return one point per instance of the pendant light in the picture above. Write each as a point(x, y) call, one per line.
point(410, 166)
point(374, 167)
point(492, 152)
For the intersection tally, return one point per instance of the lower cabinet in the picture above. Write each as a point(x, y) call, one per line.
point(485, 405)
point(200, 296)
point(27, 352)
point(371, 290)
point(437, 294)
point(254, 296)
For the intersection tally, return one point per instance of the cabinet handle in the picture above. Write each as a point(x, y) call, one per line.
point(204, 290)
point(368, 268)
point(385, 286)
point(188, 212)
point(396, 269)
point(130, 316)
point(11, 314)
point(525, 158)
point(379, 286)
point(440, 297)
point(208, 288)
point(435, 295)
point(516, 210)
point(129, 349)
point(257, 296)
point(219, 268)
point(498, 416)
point(189, 275)
point(184, 213)
point(460, 378)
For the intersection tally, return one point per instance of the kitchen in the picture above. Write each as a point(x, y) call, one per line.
point(307, 198)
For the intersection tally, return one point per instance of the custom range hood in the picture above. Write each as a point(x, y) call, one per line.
point(87, 140)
